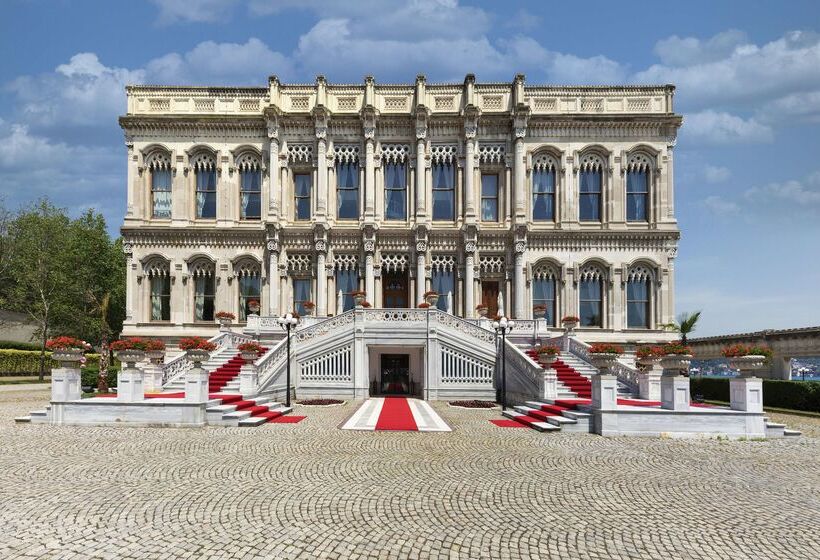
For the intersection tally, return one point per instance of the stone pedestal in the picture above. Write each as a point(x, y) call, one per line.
point(65, 384)
point(550, 383)
point(674, 392)
point(604, 392)
point(746, 394)
point(130, 385)
point(248, 379)
point(649, 385)
point(196, 385)
point(152, 378)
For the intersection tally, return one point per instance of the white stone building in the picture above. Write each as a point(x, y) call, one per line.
point(561, 196)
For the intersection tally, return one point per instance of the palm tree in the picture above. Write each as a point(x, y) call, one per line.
point(685, 324)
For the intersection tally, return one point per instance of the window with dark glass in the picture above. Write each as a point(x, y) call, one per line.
point(637, 195)
point(302, 188)
point(205, 193)
point(443, 283)
point(543, 195)
point(590, 298)
point(161, 298)
point(589, 192)
point(444, 193)
point(204, 292)
point(161, 193)
point(347, 190)
point(395, 191)
point(637, 303)
point(347, 281)
point(489, 198)
point(249, 290)
point(301, 294)
point(543, 293)
point(250, 194)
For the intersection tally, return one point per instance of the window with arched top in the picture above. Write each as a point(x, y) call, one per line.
point(347, 182)
point(248, 274)
point(443, 278)
point(204, 166)
point(203, 272)
point(394, 162)
point(158, 164)
point(590, 187)
point(250, 186)
point(638, 297)
point(545, 293)
point(158, 272)
point(638, 171)
point(544, 172)
point(591, 296)
point(443, 168)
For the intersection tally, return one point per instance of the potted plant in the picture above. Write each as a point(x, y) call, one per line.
point(570, 322)
point(424, 305)
point(358, 297)
point(253, 306)
point(366, 304)
point(250, 351)
point(604, 355)
point(431, 297)
point(675, 358)
point(67, 350)
point(308, 306)
point(648, 356)
point(547, 354)
point(538, 311)
point(154, 350)
point(130, 350)
point(482, 310)
point(197, 349)
point(747, 358)
point(225, 318)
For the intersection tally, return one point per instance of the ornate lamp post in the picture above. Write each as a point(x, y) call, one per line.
point(502, 326)
point(288, 322)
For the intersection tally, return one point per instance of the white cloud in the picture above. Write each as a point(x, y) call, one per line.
point(804, 194)
point(677, 51)
point(795, 107)
point(714, 127)
point(197, 11)
point(716, 174)
point(720, 206)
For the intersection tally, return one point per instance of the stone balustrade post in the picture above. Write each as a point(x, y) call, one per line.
point(65, 382)
point(248, 376)
point(604, 392)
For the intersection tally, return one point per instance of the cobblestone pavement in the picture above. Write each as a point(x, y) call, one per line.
point(310, 490)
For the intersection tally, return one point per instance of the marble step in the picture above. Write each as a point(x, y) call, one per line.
point(524, 419)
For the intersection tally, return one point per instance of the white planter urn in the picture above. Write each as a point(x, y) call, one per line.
point(547, 360)
point(66, 379)
point(68, 358)
point(359, 299)
point(432, 299)
point(130, 357)
point(196, 357)
point(603, 361)
point(676, 364)
point(224, 323)
point(250, 357)
point(747, 365)
point(482, 312)
point(569, 327)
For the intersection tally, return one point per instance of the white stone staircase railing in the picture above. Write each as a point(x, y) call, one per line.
point(625, 374)
point(526, 380)
point(176, 367)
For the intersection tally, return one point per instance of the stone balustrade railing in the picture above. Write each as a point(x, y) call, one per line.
point(625, 374)
point(176, 367)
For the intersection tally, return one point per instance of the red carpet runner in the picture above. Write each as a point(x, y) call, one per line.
point(396, 415)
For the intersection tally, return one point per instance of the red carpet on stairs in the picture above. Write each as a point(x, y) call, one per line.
point(504, 423)
point(287, 419)
point(396, 415)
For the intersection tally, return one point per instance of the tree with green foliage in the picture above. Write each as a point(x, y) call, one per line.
point(685, 325)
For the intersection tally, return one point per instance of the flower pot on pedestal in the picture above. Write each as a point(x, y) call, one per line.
point(746, 391)
point(603, 361)
point(649, 379)
point(65, 380)
point(674, 385)
point(130, 381)
point(546, 360)
point(747, 365)
point(153, 373)
point(482, 312)
point(569, 326)
point(197, 356)
point(432, 299)
point(196, 378)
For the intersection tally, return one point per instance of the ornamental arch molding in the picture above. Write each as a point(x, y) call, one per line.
point(201, 265)
point(156, 265)
point(247, 265)
point(157, 156)
point(547, 269)
point(592, 159)
point(202, 158)
point(248, 158)
point(546, 160)
point(395, 262)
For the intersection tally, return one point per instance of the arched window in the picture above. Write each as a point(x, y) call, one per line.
point(442, 278)
point(544, 168)
point(248, 273)
point(544, 292)
point(159, 166)
point(250, 186)
point(638, 293)
point(347, 279)
point(444, 181)
point(202, 271)
point(300, 267)
point(394, 157)
point(590, 182)
point(158, 271)
point(347, 182)
point(591, 296)
point(204, 166)
point(637, 188)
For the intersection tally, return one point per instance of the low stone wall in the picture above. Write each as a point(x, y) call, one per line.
point(693, 423)
point(111, 412)
point(794, 395)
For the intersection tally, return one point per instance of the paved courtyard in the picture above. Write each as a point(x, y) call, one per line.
point(310, 490)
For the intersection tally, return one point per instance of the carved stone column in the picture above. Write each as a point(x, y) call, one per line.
point(369, 180)
point(469, 280)
point(469, 166)
point(273, 278)
point(421, 267)
point(519, 286)
point(421, 183)
point(369, 279)
point(130, 284)
point(321, 178)
point(519, 172)
point(321, 279)
point(274, 192)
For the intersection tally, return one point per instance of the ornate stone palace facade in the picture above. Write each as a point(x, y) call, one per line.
point(501, 193)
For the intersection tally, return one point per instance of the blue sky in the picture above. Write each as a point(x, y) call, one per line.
point(748, 77)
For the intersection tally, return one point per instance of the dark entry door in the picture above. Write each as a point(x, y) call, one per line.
point(395, 289)
point(395, 375)
point(489, 297)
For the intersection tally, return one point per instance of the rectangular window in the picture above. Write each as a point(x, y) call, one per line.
point(251, 194)
point(205, 193)
point(590, 303)
point(302, 187)
point(589, 203)
point(443, 283)
point(637, 304)
point(204, 292)
point(543, 195)
point(348, 282)
point(249, 290)
point(301, 294)
point(395, 191)
point(444, 193)
point(161, 193)
point(489, 198)
point(543, 293)
point(160, 298)
point(637, 196)
point(347, 190)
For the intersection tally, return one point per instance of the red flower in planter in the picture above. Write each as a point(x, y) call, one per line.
point(196, 343)
point(224, 315)
point(606, 348)
point(67, 343)
point(250, 347)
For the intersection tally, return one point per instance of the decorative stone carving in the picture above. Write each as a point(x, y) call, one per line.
point(444, 153)
point(491, 153)
point(300, 153)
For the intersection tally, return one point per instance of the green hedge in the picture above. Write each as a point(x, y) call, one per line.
point(28, 361)
point(90, 376)
point(795, 395)
point(11, 345)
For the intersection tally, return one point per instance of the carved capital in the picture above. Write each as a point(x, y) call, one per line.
point(470, 247)
point(369, 247)
point(321, 246)
point(273, 246)
point(421, 246)
point(128, 249)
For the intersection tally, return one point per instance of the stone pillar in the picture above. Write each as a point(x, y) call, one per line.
point(604, 392)
point(273, 278)
point(321, 281)
point(469, 176)
point(519, 287)
point(649, 383)
point(321, 178)
point(746, 394)
point(469, 281)
point(361, 378)
point(369, 181)
point(196, 385)
point(550, 384)
point(65, 384)
point(130, 385)
point(369, 279)
point(674, 391)
point(274, 194)
point(421, 183)
point(130, 283)
point(248, 378)
point(519, 170)
point(420, 277)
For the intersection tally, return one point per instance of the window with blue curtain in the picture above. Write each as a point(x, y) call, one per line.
point(637, 303)
point(443, 282)
point(489, 198)
point(302, 188)
point(205, 193)
point(444, 193)
point(160, 298)
point(161, 193)
point(250, 187)
point(589, 193)
point(347, 190)
point(348, 282)
point(543, 195)
point(543, 293)
point(395, 191)
point(301, 294)
point(204, 293)
point(637, 195)
point(590, 302)
point(249, 290)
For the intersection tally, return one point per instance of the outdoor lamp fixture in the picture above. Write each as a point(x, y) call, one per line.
point(502, 326)
point(288, 322)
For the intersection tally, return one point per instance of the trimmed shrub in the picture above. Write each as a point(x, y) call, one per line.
point(11, 345)
point(28, 361)
point(90, 376)
point(778, 393)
